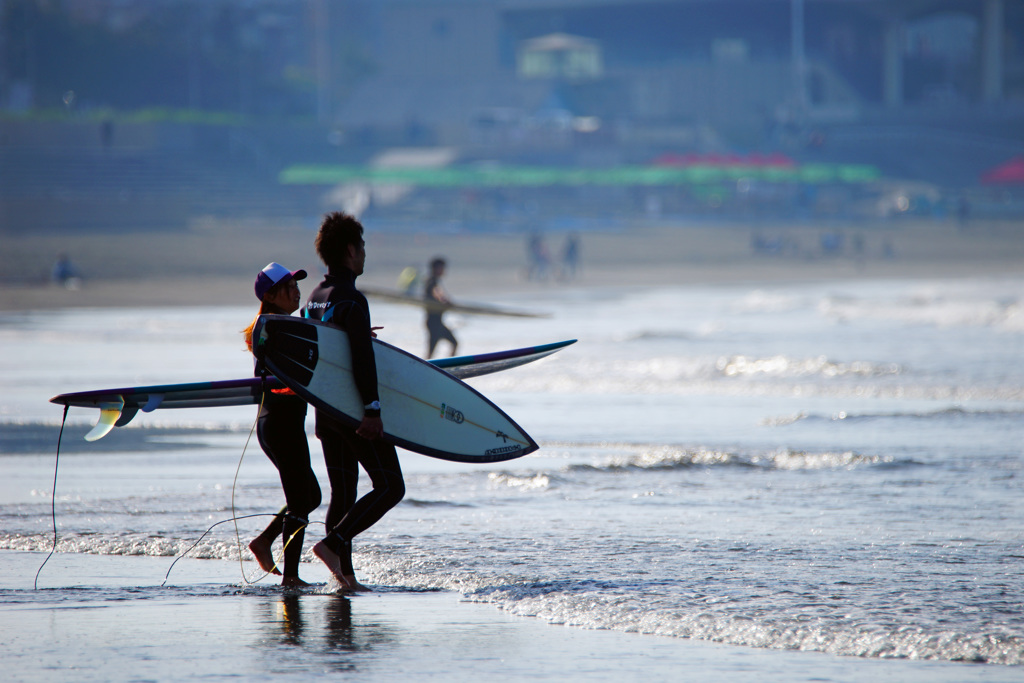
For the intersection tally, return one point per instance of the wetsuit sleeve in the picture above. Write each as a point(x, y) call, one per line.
point(364, 363)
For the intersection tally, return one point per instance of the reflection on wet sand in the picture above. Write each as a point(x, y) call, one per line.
point(323, 625)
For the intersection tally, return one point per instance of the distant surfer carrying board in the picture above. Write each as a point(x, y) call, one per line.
point(281, 430)
point(336, 301)
point(433, 292)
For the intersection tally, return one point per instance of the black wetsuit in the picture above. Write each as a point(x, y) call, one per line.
point(436, 329)
point(336, 301)
point(281, 430)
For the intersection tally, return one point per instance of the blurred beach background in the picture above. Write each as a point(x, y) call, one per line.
point(787, 445)
point(216, 264)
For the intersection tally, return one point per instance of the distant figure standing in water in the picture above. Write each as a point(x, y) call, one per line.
point(281, 430)
point(434, 293)
point(570, 256)
point(65, 273)
point(963, 213)
point(538, 258)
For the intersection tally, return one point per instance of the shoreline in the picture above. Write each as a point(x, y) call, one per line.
point(205, 623)
point(217, 265)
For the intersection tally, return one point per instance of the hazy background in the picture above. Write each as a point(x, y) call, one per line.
point(846, 119)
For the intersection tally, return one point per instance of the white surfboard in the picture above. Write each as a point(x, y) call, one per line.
point(424, 408)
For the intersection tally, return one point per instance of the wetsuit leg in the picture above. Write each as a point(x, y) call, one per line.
point(284, 441)
point(343, 473)
point(380, 461)
point(433, 335)
point(436, 331)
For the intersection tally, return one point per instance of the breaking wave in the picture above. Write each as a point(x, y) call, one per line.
point(688, 612)
point(942, 415)
point(783, 366)
point(930, 307)
point(655, 457)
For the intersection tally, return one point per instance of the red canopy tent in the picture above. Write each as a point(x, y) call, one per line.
point(1010, 173)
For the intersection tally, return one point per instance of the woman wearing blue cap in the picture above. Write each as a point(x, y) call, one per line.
point(281, 429)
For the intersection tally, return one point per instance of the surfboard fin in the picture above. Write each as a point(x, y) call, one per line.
point(152, 404)
point(110, 413)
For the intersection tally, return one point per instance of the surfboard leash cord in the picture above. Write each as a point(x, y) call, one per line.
point(225, 521)
point(53, 499)
point(234, 485)
point(53, 512)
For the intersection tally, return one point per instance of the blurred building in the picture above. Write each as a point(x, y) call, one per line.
point(662, 71)
point(177, 108)
point(449, 70)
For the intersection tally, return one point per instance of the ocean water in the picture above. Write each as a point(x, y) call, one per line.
point(820, 467)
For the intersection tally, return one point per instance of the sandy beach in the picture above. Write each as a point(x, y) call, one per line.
point(213, 264)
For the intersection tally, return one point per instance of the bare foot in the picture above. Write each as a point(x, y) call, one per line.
point(293, 582)
point(264, 557)
point(331, 559)
point(349, 580)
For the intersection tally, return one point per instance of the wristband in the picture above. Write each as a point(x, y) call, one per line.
point(372, 406)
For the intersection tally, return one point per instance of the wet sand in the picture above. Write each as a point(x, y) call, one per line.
point(216, 264)
point(107, 618)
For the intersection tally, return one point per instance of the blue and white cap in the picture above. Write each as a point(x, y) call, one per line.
point(273, 274)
